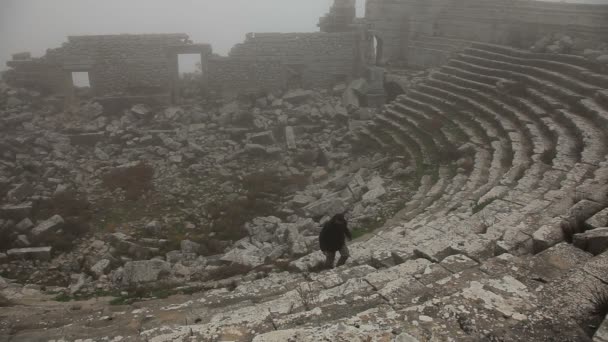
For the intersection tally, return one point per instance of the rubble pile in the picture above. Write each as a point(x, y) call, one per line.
point(96, 199)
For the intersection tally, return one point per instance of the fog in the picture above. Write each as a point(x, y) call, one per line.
point(35, 25)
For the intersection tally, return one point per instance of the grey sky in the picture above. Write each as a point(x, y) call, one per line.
point(35, 25)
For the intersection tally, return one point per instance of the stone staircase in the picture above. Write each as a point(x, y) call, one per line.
point(507, 144)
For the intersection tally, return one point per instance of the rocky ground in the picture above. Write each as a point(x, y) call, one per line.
point(118, 200)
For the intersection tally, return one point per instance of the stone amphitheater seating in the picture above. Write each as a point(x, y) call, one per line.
point(483, 240)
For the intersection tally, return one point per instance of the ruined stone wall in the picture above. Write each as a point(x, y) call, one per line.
point(36, 73)
point(309, 59)
point(115, 63)
point(120, 63)
point(340, 17)
point(229, 76)
point(517, 23)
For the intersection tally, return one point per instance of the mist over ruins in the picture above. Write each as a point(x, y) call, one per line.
point(152, 189)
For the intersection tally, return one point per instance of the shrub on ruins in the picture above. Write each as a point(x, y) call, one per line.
point(263, 190)
point(228, 271)
point(431, 125)
point(134, 178)
point(574, 224)
point(599, 302)
point(228, 217)
point(449, 153)
point(4, 302)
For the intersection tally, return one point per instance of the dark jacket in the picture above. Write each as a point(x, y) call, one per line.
point(333, 234)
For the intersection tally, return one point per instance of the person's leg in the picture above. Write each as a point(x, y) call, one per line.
point(330, 257)
point(344, 254)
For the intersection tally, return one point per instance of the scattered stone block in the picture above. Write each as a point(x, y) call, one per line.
point(555, 261)
point(594, 241)
point(302, 200)
point(262, 138)
point(49, 226)
point(290, 138)
point(16, 212)
point(548, 235)
point(374, 194)
point(585, 209)
point(256, 149)
point(325, 207)
point(20, 192)
point(17, 118)
point(298, 96)
point(87, 139)
point(601, 335)
point(34, 253)
point(599, 220)
point(24, 225)
point(188, 246)
point(146, 271)
point(458, 263)
point(246, 254)
point(101, 267)
point(140, 109)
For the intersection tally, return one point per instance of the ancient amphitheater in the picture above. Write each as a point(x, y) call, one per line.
point(504, 238)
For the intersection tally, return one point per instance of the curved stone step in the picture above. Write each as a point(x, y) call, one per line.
point(520, 73)
point(482, 158)
point(573, 71)
point(576, 60)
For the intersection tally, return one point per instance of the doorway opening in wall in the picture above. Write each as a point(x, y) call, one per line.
point(190, 73)
point(188, 65)
point(378, 46)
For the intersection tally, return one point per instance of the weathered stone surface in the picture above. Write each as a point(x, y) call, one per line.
point(325, 207)
point(147, 271)
point(555, 261)
point(34, 253)
point(601, 335)
point(290, 138)
point(20, 192)
point(599, 220)
point(594, 241)
point(247, 254)
point(585, 209)
point(24, 225)
point(298, 96)
point(407, 269)
point(87, 139)
point(374, 194)
point(140, 109)
point(190, 247)
point(101, 267)
point(262, 138)
point(546, 236)
point(457, 263)
point(16, 212)
point(50, 226)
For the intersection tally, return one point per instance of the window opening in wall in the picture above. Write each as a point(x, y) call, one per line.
point(81, 79)
point(360, 6)
point(189, 65)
